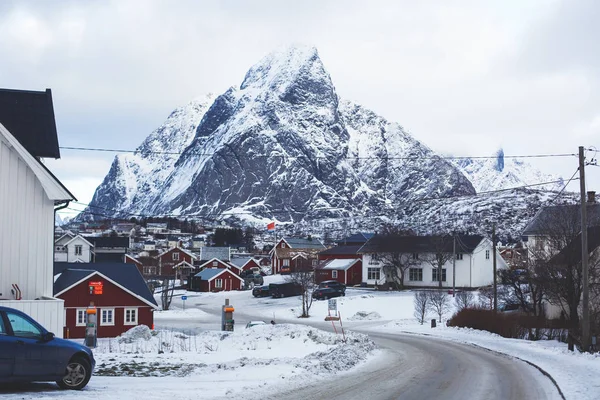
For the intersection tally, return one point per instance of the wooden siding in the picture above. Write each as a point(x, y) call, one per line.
point(27, 234)
point(112, 297)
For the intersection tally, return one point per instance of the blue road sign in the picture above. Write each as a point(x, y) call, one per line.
point(183, 297)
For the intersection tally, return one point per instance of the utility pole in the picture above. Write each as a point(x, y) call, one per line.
point(495, 274)
point(454, 265)
point(585, 320)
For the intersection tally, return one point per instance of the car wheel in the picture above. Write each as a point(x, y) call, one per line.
point(77, 374)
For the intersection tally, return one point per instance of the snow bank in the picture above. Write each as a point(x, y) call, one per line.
point(365, 316)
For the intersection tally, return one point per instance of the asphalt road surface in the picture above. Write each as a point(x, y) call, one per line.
point(417, 367)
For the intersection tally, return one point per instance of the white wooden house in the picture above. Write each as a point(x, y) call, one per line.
point(474, 261)
point(29, 195)
point(73, 248)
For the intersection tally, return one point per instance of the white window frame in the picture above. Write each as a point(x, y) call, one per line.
point(112, 321)
point(77, 312)
point(373, 272)
point(215, 263)
point(411, 274)
point(286, 262)
point(459, 256)
point(434, 271)
point(175, 256)
point(283, 245)
point(487, 254)
point(218, 283)
point(78, 250)
point(334, 274)
point(135, 314)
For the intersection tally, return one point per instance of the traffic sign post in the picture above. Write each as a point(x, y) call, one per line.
point(183, 298)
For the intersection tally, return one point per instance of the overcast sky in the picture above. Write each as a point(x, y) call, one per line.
point(464, 77)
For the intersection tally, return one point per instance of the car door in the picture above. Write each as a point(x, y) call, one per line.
point(7, 350)
point(34, 358)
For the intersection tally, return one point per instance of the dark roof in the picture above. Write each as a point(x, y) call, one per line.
point(571, 254)
point(29, 117)
point(108, 257)
point(126, 275)
point(220, 253)
point(209, 273)
point(339, 250)
point(566, 214)
point(357, 238)
point(108, 241)
point(296, 243)
point(421, 244)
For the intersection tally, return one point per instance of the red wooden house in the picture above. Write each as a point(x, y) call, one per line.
point(246, 263)
point(117, 290)
point(176, 262)
point(293, 253)
point(214, 263)
point(215, 280)
point(346, 271)
point(131, 260)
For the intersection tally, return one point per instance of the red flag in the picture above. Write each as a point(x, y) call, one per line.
point(271, 226)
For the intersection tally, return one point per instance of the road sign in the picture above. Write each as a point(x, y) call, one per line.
point(332, 305)
point(183, 297)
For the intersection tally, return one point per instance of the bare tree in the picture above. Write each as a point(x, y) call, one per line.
point(303, 275)
point(464, 299)
point(421, 302)
point(442, 252)
point(556, 257)
point(439, 302)
point(395, 254)
point(486, 298)
point(166, 296)
point(525, 288)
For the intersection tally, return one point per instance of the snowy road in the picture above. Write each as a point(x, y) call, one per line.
point(421, 367)
point(426, 368)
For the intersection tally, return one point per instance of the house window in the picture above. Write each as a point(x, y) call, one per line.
point(286, 262)
point(434, 275)
point(334, 274)
point(215, 263)
point(78, 250)
point(283, 245)
point(415, 274)
point(219, 283)
point(415, 256)
point(131, 316)
point(487, 254)
point(459, 256)
point(107, 316)
point(175, 256)
point(80, 317)
point(373, 273)
point(314, 262)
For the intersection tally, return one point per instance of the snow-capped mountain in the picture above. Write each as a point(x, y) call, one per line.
point(490, 174)
point(281, 146)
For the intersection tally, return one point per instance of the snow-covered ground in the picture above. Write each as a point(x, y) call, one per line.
point(368, 310)
point(188, 355)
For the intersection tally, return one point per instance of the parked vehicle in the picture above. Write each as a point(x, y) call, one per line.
point(260, 291)
point(251, 279)
point(29, 353)
point(333, 284)
point(329, 289)
point(284, 289)
point(254, 323)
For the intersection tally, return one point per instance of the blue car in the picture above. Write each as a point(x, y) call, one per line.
point(30, 353)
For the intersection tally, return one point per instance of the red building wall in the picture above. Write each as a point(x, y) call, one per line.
point(351, 277)
point(230, 282)
point(112, 297)
point(166, 262)
point(250, 264)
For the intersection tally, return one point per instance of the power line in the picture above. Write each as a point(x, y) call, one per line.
point(435, 157)
point(565, 186)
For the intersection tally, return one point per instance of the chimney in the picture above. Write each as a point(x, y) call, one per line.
point(591, 197)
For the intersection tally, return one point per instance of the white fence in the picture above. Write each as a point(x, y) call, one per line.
point(48, 311)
